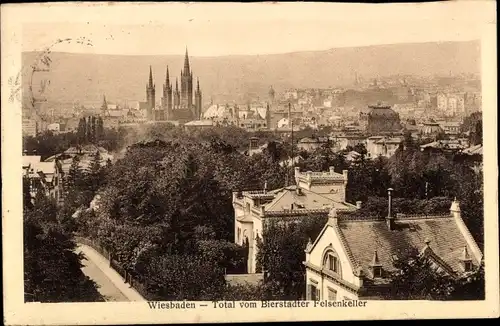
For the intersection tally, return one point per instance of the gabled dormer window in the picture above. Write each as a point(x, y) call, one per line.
point(467, 266)
point(466, 260)
point(377, 271)
point(376, 266)
point(331, 262)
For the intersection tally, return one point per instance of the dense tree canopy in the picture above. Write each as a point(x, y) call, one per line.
point(165, 208)
point(51, 267)
point(281, 256)
point(417, 278)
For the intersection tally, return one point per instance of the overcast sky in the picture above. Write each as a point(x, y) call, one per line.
point(228, 29)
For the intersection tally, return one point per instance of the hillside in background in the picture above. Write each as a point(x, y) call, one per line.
point(85, 78)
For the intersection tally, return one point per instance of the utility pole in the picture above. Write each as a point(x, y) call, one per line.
point(290, 121)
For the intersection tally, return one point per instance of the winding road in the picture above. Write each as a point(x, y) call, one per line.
point(111, 285)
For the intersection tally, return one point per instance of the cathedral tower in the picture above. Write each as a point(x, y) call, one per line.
point(186, 84)
point(268, 116)
point(271, 95)
point(197, 99)
point(177, 95)
point(150, 95)
point(167, 96)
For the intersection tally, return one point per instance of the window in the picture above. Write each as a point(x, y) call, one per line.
point(467, 266)
point(332, 294)
point(377, 271)
point(312, 292)
point(331, 262)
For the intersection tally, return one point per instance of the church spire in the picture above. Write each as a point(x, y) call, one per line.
point(186, 62)
point(167, 80)
point(104, 105)
point(150, 77)
point(198, 85)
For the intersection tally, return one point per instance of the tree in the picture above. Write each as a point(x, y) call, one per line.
point(52, 270)
point(225, 254)
point(416, 277)
point(89, 129)
point(244, 292)
point(95, 176)
point(184, 277)
point(81, 132)
point(281, 255)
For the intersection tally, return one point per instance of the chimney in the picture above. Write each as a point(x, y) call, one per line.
point(345, 173)
point(265, 187)
point(358, 204)
point(455, 208)
point(390, 218)
point(332, 170)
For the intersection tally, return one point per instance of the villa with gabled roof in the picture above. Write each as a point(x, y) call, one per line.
point(314, 193)
point(352, 257)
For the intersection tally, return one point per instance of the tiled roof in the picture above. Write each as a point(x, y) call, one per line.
point(474, 150)
point(31, 160)
point(45, 167)
point(364, 237)
point(306, 200)
point(395, 140)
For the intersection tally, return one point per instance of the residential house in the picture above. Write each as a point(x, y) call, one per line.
point(314, 193)
point(30, 127)
point(446, 146)
point(451, 127)
point(382, 146)
point(44, 176)
point(352, 257)
point(341, 142)
point(310, 144)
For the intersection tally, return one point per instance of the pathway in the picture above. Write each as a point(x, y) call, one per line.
point(111, 284)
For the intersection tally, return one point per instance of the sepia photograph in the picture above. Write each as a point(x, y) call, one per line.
point(225, 161)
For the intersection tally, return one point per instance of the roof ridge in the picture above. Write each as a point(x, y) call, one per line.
point(355, 264)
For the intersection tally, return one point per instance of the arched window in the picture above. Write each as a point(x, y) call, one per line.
point(331, 262)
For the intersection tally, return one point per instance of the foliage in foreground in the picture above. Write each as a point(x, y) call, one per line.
point(416, 278)
point(52, 269)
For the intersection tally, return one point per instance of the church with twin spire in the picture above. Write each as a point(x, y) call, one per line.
point(176, 104)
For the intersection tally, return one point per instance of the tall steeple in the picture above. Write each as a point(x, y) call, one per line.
point(167, 94)
point(186, 84)
point(150, 77)
point(177, 97)
point(197, 101)
point(150, 95)
point(104, 106)
point(186, 62)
